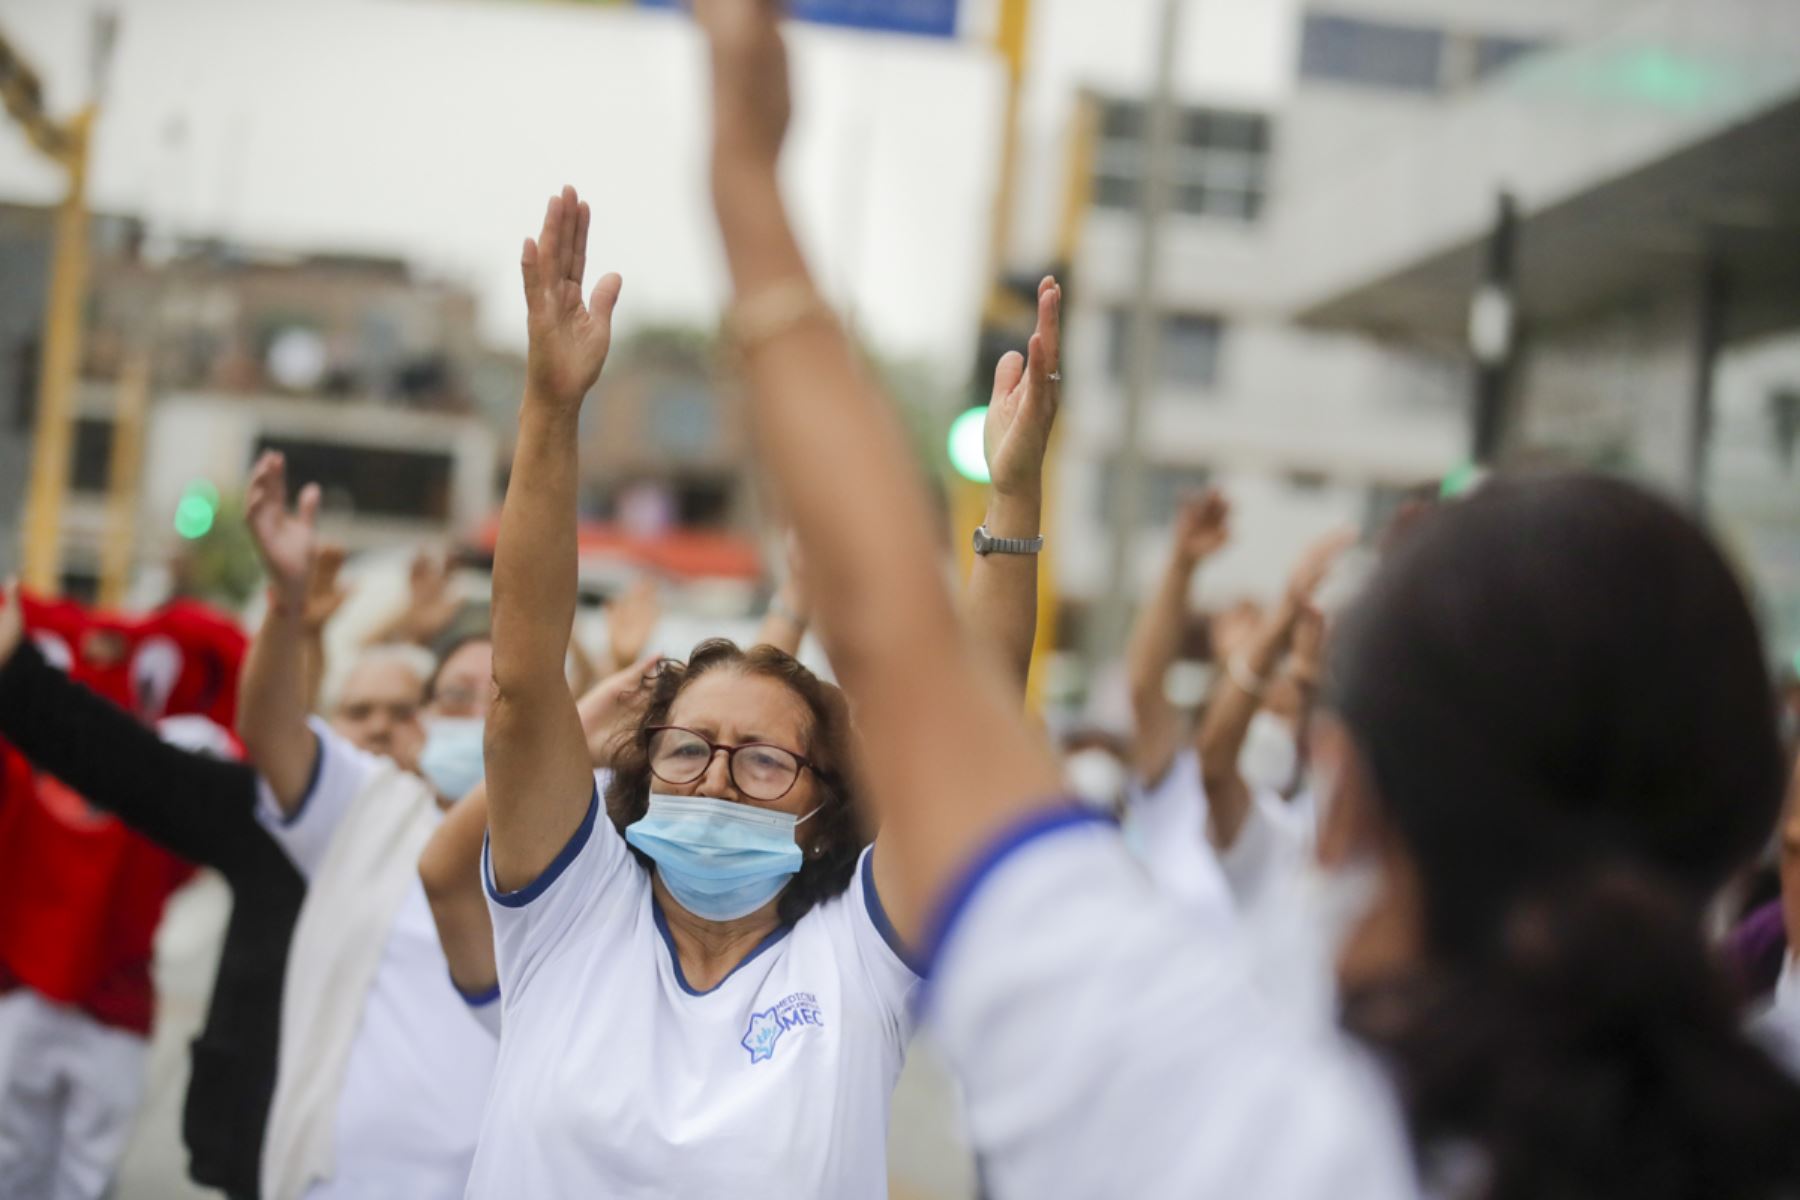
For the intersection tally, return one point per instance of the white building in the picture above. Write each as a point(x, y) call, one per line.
point(1305, 429)
point(1655, 167)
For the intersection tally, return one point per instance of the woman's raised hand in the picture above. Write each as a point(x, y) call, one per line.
point(569, 339)
point(286, 540)
point(751, 102)
point(1023, 409)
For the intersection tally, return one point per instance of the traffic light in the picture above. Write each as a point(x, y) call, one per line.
point(967, 454)
point(1462, 479)
point(197, 509)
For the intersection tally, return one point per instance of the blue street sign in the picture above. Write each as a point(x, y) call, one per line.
point(927, 18)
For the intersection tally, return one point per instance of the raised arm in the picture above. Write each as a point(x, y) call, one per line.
point(272, 695)
point(538, 777)
point(1001, 602)
point(430, 606)
point(187, 802)
point(1239, 692)
point(324, 596)
point(784, 625)
point(630, 621)
point(1201, 529)
point(450, 867)
point(949, 759)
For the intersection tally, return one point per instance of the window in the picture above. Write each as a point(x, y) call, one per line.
point(682, 421)
point(704, 501)
point(1384, 502)
point(1218, 169)
point(1164, 487)
point(1190, 348)
point(1494, 54)
point(1404, 58)
point(370, 480)
point(26, 355)
point(1784, 426)
point(90, 460)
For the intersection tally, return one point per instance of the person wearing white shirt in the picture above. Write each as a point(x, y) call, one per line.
point(382, 1071)
point(1552, 741)
point(701, 990)
point(1778, 1025)
point(1260, 815)
point(1165, 804)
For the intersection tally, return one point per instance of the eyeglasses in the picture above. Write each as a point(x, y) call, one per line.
point(758, 770)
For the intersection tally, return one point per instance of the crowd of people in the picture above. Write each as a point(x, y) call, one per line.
point(1483, 884)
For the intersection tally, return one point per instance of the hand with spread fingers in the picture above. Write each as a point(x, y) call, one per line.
point(1314, 565)
point(324, 594)
point(569, 339)
point(751, 100)
point(607, 707)
point(631, 619)
point(286, 539)
point(1027, 392)
point(1202, 527)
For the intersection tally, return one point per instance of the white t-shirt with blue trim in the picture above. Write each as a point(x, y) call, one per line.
point(1777, 1027)
point(1165, 828)
point(417, 1077)
point(1109, 1045)
point(617, 1079)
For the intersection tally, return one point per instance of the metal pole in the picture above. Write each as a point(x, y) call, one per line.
point(1709, 336)
point(1492, 332)
point(60, 370)
point(1012, 39)
point(1143, 372)
point(129, 405)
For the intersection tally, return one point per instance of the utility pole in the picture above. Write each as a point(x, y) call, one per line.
point(1493, 332)
point(66, 144)
point(1143, 368)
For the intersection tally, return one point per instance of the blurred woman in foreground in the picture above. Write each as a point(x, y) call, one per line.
point(1554, 739)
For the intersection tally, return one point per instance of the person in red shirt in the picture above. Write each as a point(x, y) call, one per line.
point(81, 896)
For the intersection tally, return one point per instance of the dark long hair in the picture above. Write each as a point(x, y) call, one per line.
point(1562, 700)
point(837, 837)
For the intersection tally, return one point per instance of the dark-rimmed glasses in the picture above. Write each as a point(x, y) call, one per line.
point(756, 769)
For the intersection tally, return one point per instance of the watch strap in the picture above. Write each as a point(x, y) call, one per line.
point(987, 543)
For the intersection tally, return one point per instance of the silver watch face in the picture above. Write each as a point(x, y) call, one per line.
point(983, 542)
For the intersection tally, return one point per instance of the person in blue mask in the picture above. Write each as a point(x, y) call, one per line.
point(701, 992)
point(381, 1072)
point(455, 715)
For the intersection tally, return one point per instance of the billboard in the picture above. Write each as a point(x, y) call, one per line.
point(926, 18)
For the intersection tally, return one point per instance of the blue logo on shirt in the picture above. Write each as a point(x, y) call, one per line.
point(767, 1026)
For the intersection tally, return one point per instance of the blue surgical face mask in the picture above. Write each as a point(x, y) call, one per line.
point(451, 761)
point(720, 860)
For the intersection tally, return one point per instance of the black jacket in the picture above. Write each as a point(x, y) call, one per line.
point(203, 809)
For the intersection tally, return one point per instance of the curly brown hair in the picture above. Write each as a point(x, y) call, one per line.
point(838, 837)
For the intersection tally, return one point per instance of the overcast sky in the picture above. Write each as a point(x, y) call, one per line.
point(433, 130)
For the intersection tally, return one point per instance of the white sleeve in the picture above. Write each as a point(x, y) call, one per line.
point(1777, 1028)
point(868, 939)
point(485, 1008)
point(340, 772)
point(1269, 853)
point(1165, 828)
point(583, 877)
point(1109, 1046)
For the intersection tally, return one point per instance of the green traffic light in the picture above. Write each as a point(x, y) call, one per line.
point(193, 517)
point(968, 455)
point(199, 506)
point(1461, 480)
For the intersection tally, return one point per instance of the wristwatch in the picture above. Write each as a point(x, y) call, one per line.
point(986, 543)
